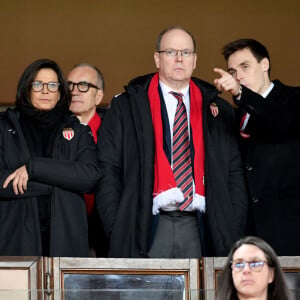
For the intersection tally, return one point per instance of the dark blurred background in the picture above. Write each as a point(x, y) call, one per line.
point(119, 36)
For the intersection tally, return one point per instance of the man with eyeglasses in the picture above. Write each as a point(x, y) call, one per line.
point(173, 185)
point(87, 88)
point(86, 84)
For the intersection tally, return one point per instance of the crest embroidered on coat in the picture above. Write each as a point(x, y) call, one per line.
point(214, 109)
point(68, 133)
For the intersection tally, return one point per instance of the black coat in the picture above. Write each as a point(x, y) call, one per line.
point(272, 163)
point(126, 153)
point(70, 172)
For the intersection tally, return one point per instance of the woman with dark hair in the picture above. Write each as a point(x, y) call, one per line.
point(252, 271)
point(47, 161)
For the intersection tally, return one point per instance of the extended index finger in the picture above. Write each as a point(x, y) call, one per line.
point(220, 71)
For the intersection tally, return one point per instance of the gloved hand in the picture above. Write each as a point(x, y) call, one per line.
point(168, 197)
point(198, 203)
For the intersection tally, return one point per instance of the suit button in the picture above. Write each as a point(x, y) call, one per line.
point(255, 200)
point(249, 168)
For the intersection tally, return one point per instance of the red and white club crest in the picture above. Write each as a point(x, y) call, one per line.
point(214, 109)
point(68, 133)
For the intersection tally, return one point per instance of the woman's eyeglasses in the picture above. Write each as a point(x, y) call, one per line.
point(254, 265)
point(38, 86)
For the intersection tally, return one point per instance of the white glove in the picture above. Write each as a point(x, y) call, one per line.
point(198, 203)
point(171, 196)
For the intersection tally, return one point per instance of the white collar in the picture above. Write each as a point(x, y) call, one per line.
point(166, 90)
point(268, 90)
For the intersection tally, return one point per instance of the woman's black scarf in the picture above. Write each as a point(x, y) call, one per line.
point(40, 129)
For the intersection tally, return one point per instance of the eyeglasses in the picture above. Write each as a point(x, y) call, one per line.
point(255, 265)
point(174, 52)
point(82, 86)
point(38, 86)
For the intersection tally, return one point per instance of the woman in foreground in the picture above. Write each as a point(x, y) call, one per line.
point(252, 271)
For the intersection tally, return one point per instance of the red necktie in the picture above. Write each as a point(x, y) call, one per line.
point(182, 167)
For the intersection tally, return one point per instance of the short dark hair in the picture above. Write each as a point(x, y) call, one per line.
point(277, 290)
point(258, 50)
point(160, 36)
point(100, 77)
point(28, 76)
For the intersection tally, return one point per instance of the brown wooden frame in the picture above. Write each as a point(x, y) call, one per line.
point(187, 267)
point(33, 270)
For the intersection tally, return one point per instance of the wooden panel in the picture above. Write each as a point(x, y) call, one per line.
point(133, 278)
point(20, 277)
